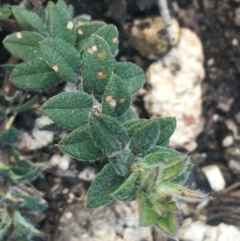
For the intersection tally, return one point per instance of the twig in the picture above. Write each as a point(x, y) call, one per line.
point(167, 20)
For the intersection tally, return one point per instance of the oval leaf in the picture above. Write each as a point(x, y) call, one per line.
point(145, 138)
point(106, 182)
point(80, 145)
point(132, 74)
point(167, 127)
point(24, 45)
point(128, 189)
point(97, 65)
point(28, 20)
point(62, 58)
point(117, 98)
point(85, 31)
point(110, 34)
point(69, 109)
point(108, 134)
point(9, 136)
point(34, 75)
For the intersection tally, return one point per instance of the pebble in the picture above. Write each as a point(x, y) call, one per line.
point(61, 161)
point(199, 231)
point(149, 36)
point(36, 139)
point(228, 141)
point(214, 177)
point(176, 89)
point(237, 17)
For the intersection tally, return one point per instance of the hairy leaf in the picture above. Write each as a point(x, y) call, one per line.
point(5, 11)
point(145, 138)
point(27, 105)
point(9, 136)
point(69, 109)
point(128, 115)
point(62, 58)
point(131, 74)
point(28, 20)
point(106, 182)
point(25, 45)
point(117, 98)
point(97, 65)
point(127, 191)
point(80, 145)
point(34, 75)
point(4, 169)
point(167, 127)
point(85, 31)
point(108, 134)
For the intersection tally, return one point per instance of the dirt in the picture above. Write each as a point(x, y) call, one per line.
point(213, 21)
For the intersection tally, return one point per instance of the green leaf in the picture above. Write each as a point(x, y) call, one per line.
point(110, 34)
point(2, 114)
point(128, 189)
point(181, 193)
point(4, 169)
point(147, 214)
point(108, 133)
point(132, 74)
point(25, 45)
point(9, 136)
point(59, 22)
point(15, 96)
point(106, 182)
point(133, 126)
point(85, 31)
point(173, 168)
point(32, 203)
point(69, 109)
point(80, 145)
point(62, 58)
point(51, 127)
point(122, 161)
point(97, 65)
point(145, 138)
point(34, 75)
point(182, 177)
point(5, 225)
point(5, 11)
point(17, 179)
point(28, 20)
point(162, 155)
point(27, 105)
point(168, 224)
point(21, 224)
point(167, 127)
point(117, 98)
point(8, 67)
point(128, 115)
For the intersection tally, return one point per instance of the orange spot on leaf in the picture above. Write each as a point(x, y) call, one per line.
point(18, 34)
point(101, 75)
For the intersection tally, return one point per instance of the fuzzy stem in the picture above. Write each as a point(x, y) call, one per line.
point(167, 19)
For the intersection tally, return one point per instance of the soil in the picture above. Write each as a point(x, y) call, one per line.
point(213, 21)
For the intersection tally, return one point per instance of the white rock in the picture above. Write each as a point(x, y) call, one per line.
point(228, 141)
point(215, 177)
point(237, 17)
point(61, 161)
point(37, 139)
point(199, 231)
point(176, 90)
point(88, 174)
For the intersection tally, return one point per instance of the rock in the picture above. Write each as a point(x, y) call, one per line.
point(234, 166)
point(174, 89)
point(228, 141)
point(36, 139)
point(61, 161)
point(114, 222)
point(232, 154)
point(237, 17)
point(215, 177)
point(150, 38)
point(199, 231)
point(88, 174)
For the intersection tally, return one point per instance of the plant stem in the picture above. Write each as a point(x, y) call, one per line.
point(167, 19)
